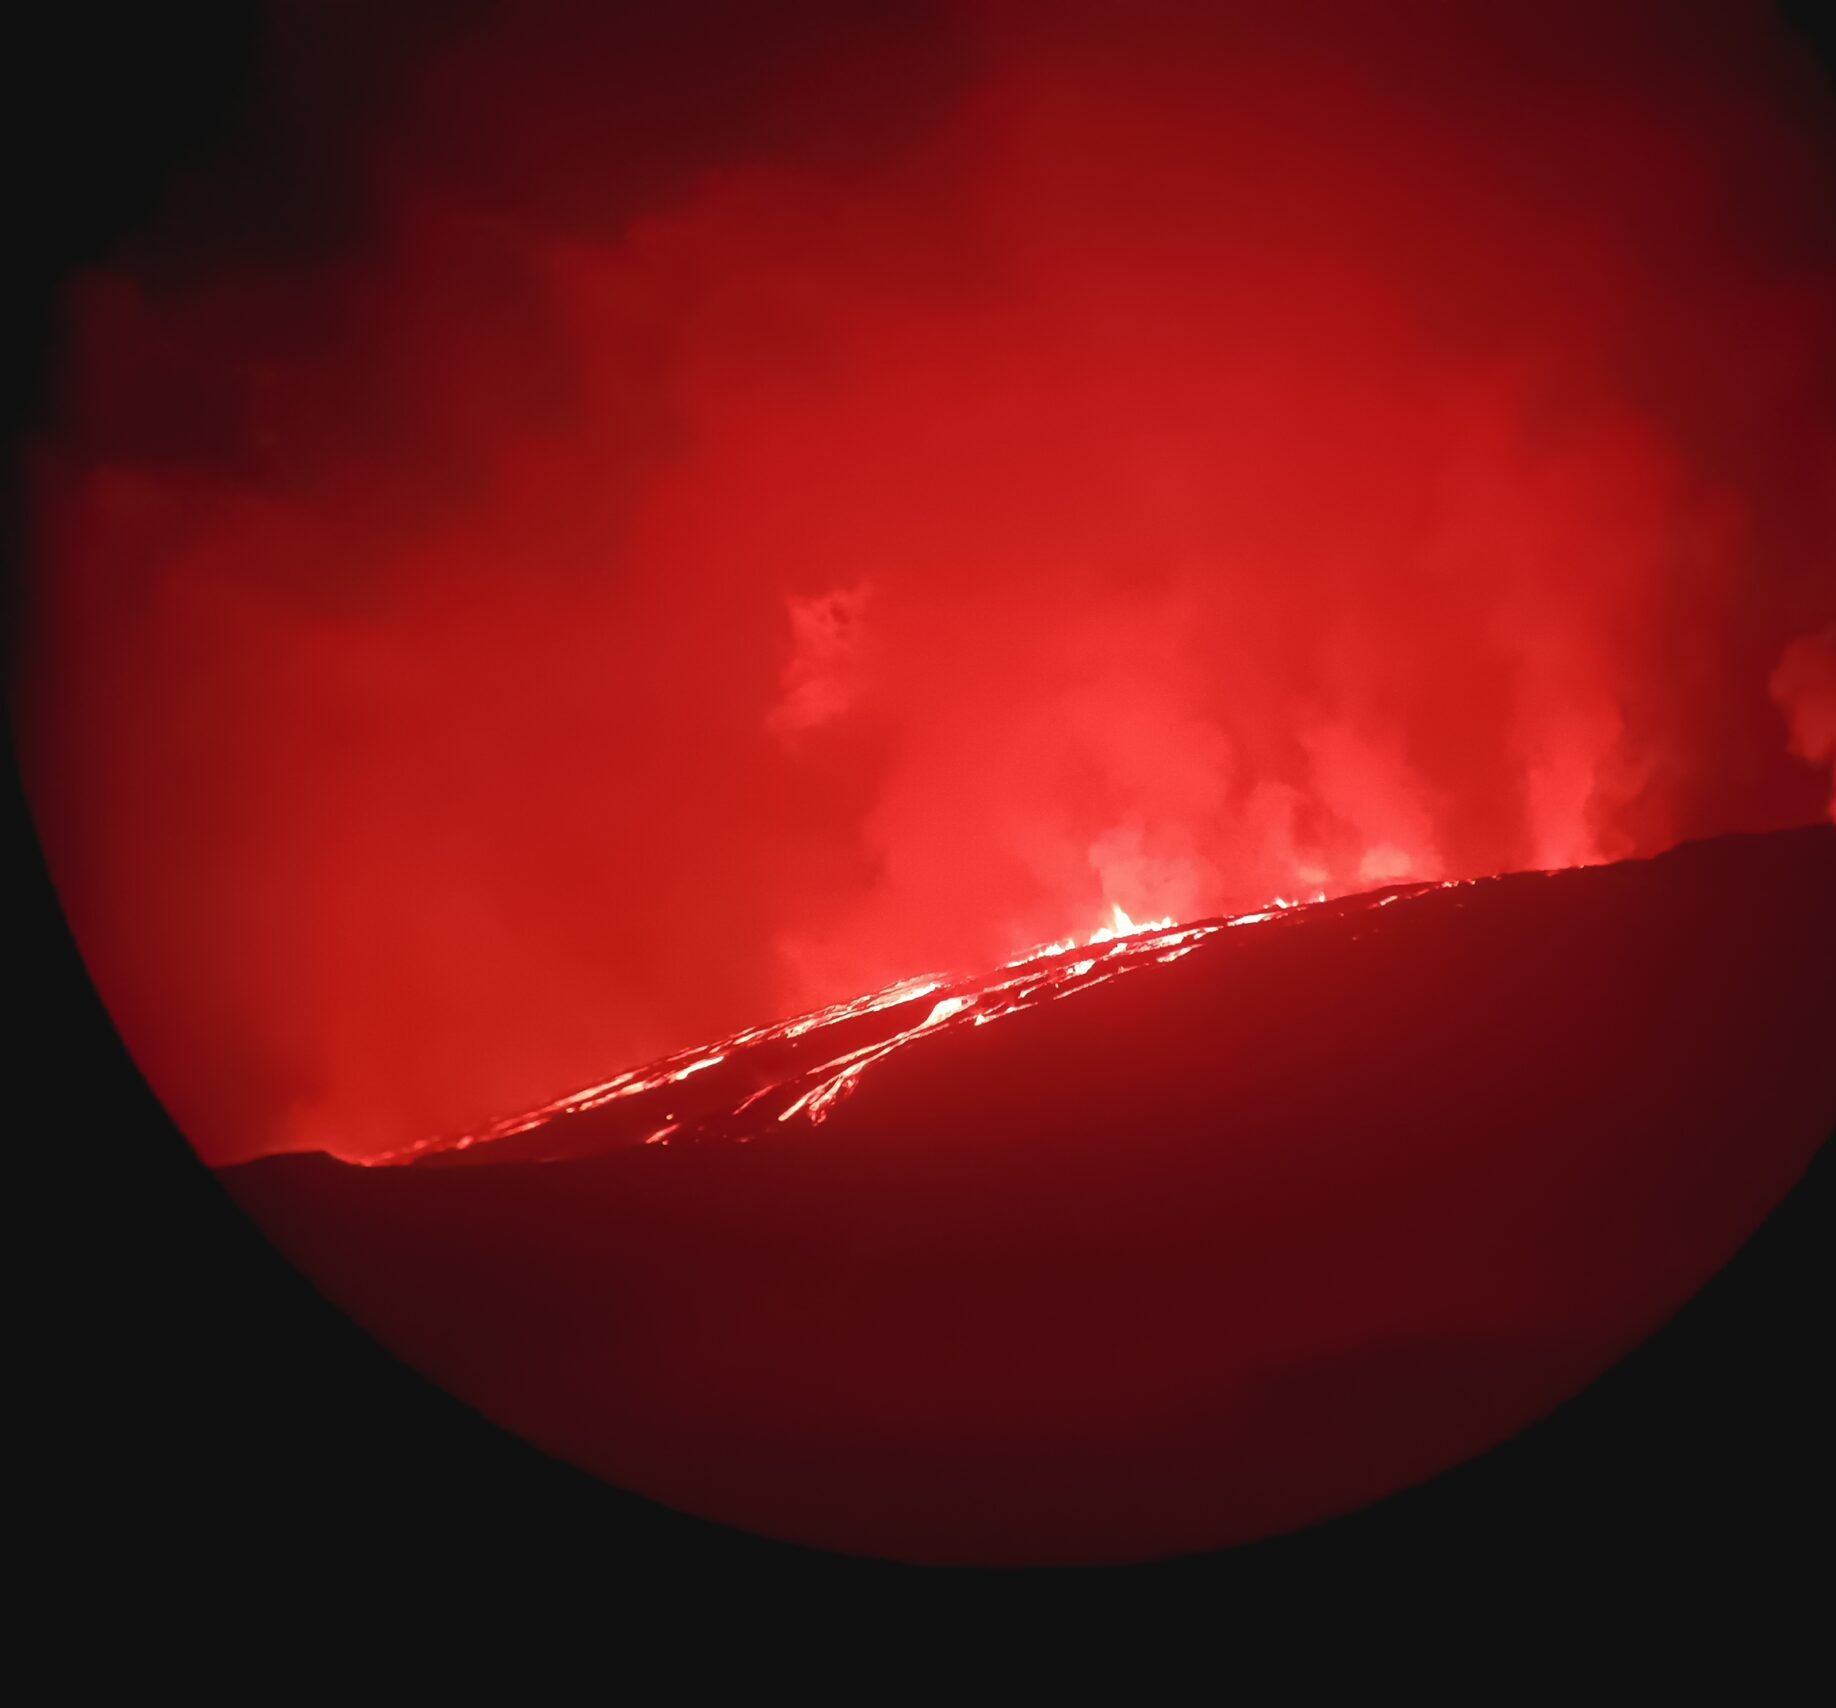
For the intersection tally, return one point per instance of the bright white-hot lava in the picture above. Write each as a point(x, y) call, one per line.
point(768, 1078)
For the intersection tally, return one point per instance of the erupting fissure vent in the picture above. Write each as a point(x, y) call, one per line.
point(767, 1078)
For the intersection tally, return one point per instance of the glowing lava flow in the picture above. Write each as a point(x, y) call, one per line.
point(767, 1077)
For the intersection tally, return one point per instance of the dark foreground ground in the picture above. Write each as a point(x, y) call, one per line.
point(1209, 1252)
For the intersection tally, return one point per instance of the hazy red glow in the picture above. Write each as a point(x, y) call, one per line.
point(809, 1082)
point(653, 578)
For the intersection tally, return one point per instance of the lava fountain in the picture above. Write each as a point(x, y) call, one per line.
point(582, 528)
point(1284, 1212)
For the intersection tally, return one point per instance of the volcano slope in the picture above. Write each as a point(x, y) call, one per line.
point(1241, 1237)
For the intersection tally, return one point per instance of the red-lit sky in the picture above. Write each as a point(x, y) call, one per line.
point(630, 528)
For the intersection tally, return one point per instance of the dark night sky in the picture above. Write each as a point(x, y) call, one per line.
point(564, 531)
point(167, 157)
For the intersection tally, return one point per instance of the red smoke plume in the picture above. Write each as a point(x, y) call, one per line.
point(697, 519)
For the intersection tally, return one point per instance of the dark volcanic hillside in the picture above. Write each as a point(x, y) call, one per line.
point(1231, 1242)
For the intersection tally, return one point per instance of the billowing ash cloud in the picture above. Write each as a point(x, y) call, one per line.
point(1805, 687)
point(711, 516)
